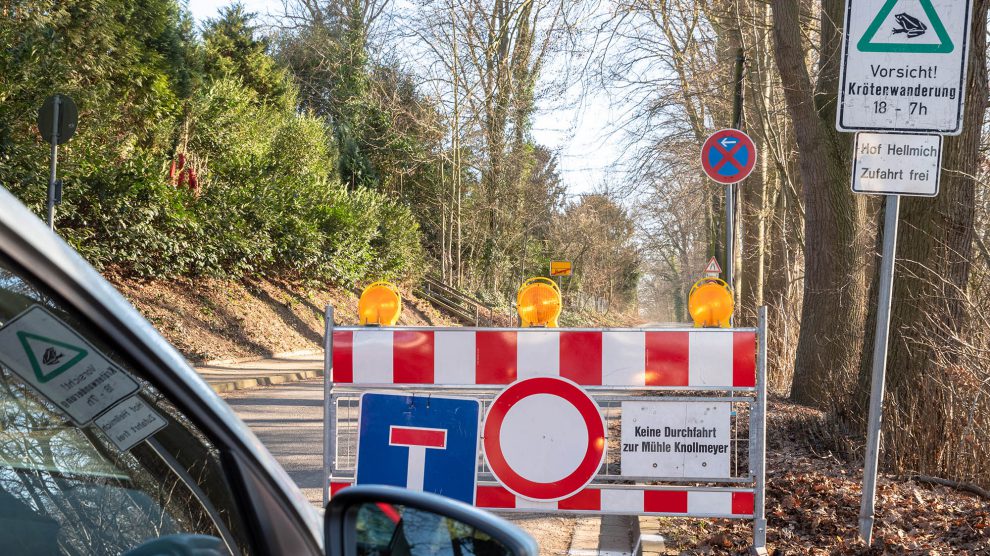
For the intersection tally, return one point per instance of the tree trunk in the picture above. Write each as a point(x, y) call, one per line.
point(834, 290)
point(753, 193)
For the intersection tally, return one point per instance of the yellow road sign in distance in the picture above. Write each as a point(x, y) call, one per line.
point(560, 268)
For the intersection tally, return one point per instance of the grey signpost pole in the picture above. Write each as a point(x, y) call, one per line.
point(758, 441)
point(866, 509)
point(52, 164)
point(730, 216)
point(329, 415)
point(57, 121)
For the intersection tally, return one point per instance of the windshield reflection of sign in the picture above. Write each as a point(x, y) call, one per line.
point(130, 422)
point(54, 352)
point(62, 366)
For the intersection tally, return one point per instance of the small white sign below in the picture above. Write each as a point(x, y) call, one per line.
point(904, 66)
point(892, 164)
point(676, 439)
point(62, 366)
point(130, 422)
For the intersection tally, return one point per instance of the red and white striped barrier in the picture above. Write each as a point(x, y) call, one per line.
point(614, 358)
point(661, 501)
point(619, 362)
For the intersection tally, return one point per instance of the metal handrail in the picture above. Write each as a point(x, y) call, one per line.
point(463, 306)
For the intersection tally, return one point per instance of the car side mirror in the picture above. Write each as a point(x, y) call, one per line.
point(180, 545)
point(389, 521)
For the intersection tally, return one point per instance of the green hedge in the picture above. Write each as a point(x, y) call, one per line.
point(269, 204)
point(271, 201)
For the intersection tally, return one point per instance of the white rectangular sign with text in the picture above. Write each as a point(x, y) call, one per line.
point(676, 439)
point(892, 164)
point(130, 422)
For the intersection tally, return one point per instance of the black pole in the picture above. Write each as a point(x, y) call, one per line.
point(730, 189)
point(737, 111)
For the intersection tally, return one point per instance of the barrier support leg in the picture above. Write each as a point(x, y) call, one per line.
point(329, 409)
point(758, 434)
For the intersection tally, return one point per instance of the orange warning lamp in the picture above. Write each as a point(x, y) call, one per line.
point(711, 304)
point(539, 303)
point(380, 304)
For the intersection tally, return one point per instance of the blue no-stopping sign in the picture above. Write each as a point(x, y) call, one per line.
point(728, 156)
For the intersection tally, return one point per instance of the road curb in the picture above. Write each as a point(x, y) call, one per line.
point(227, 386)
point(251, 358)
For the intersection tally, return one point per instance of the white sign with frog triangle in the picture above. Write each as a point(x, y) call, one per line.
point(904, 66)
point(61, 365)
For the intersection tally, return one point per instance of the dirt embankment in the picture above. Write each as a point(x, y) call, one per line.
point(211, 319)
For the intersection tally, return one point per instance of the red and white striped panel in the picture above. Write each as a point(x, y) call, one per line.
point(663, 501)
point(619, 358)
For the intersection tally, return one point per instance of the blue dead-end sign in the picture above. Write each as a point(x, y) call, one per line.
point(425, 443)
point(728, 156)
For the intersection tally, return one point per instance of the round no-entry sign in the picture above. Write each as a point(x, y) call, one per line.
point(544, 438)
point(728, 156)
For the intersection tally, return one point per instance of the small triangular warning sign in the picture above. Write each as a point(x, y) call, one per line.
point(49, 358)
point(907, 32)
point(713, 267)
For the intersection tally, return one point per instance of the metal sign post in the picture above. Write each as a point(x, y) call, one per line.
point(329, 413)
point(57, 120)
point(758, 446)
point(904, 71)
point(897, 165)
point(879, 367)
point(52, 166)
point(730, 189)
point(730, 232)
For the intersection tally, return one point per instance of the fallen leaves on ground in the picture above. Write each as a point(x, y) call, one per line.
point(813, 509)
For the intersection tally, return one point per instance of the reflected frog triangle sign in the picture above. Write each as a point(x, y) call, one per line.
point(49, 358)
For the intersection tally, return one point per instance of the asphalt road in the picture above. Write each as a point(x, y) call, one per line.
point(288, 419)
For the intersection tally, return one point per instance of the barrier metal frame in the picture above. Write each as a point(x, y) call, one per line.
point(756, 476)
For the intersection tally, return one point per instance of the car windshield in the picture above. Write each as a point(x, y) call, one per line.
point(93, 458)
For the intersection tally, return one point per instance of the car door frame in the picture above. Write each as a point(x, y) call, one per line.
point(47, 259)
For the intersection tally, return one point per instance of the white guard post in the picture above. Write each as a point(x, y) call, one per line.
point(672, 401)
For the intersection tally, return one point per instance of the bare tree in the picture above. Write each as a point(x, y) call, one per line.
point(833, 311)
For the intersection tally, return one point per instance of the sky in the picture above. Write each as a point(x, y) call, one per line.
point(577, 132)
